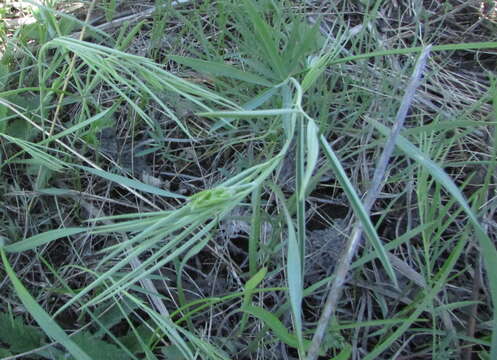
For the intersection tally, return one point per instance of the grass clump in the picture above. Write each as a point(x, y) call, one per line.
point(189, 180)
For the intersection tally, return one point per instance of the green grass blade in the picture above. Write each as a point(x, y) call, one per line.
point(219, 69)
point(358, 207)
point(250, 285)
point(252, 104)
point(79, 125)
point(424, 303)
point(274, 324)
point(42, 239)
point(263, 31)
point(255, 230)
point(312, 147)
point(44, 320)
point(294, 272)
point(179, 276)
point(405, 51)
point(488, 250)
point(134, 184)
point(37, 152)
point(248, 113)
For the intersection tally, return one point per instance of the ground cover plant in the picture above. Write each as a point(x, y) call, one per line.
point(248, 179)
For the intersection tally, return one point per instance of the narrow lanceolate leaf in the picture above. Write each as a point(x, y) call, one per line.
point(264, 34)
point(423, 303)
point(38, 153)
point(312, 147)
point(79, 125)
point(248, 113)
point(416, 49)
point(247, 296)
point(294, 272)
point(42, 239)
point(252, 104)
point(488, 250)
point(43, 319)
point(358, 207)
point(220, 69)
point(295, 283)
point(274, 324)
point(134, 184)
point(255, 229)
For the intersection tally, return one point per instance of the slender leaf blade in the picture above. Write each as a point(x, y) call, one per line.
point(312, 147)
point(358, 207)
point(488, 250)
point(43, 319)
point(134, 184)
point(219, 69)
point(42, 239)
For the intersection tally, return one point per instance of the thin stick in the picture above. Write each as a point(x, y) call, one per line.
point(343, 266)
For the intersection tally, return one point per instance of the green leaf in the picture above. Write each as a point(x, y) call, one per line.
point(134, 184)
point(488, 250)
point(172, 352)
point(250, 285)
point(18, 336)
point(111, 314)
point(42, 239)
point(255, 280)
point(294, 272)
point(5, 353)
point(344, 354)
point(136, 338)
point(263, 32)
point(248, 113)
point(358, 207)
point(3, 119)
point(4, 75)
point(312, 146)
point(274, 324)
point(20, 129)
point(219, 69)
point(302, 40)
point(44, 320)
point(98, 349)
